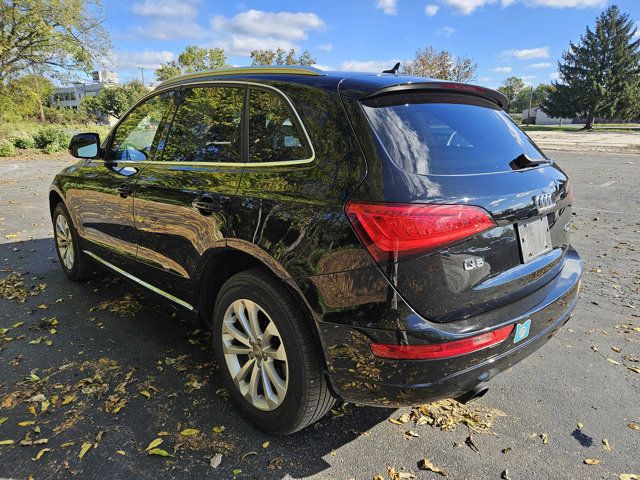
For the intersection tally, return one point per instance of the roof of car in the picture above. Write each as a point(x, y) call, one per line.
point(367, 84)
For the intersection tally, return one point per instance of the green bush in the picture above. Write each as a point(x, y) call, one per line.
point(52, 139)
point(23, 142)
point(6, 148)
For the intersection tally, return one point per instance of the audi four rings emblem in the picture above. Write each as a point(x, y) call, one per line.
point(544, 202)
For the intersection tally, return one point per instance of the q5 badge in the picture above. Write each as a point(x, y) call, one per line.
point(522, 331)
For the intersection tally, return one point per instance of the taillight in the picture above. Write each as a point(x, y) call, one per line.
point(392, 231)
point(442, 350)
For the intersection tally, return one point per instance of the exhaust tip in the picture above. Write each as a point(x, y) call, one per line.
point(475, 393)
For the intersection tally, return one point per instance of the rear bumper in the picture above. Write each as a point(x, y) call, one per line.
point(356, 375)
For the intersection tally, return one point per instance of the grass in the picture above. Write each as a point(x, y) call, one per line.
point(9, 131)
point(601, 127)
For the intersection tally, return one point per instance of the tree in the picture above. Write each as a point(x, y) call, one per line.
point(281, 57)
point(511, 88)
point(26, 96)
point(114, 100)
point(50, 36)
point(193, 59)
point(521, 99)
point(429, 62)
point(599, 76)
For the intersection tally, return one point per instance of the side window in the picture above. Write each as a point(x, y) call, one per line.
point(274, 133)
point(206, 127)
point(136, 135)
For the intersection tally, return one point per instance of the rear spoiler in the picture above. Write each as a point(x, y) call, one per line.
point(496, 97)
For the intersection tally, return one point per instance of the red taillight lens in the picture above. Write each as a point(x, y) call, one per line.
point(402, 229)
point(441, 350)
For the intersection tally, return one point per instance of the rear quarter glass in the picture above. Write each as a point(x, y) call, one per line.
point(447, 134)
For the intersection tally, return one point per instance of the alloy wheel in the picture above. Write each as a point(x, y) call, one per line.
point(64, 242)
point(255, 355)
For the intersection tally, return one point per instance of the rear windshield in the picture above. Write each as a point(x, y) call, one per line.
point(447, 134)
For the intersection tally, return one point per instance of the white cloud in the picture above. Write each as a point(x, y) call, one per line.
point(431, 9)
point(502, 70)
point(389, 7)
point(323, 67)
point(148, 59)
point(554, 76)
point(165, 8)
point(527, 78)
point(565, 3)
point(467, 7)
point(446, 32)
point(170, 29)
point(527, 53)
point(255, 29)
point(637, 27)
point(540, 65)
point(325, 47)
point(367, 65)
point(486, 79)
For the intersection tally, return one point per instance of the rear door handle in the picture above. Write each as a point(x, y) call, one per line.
point(205, 204)
point(124, 190)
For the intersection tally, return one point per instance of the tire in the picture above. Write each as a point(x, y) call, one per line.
point(295, 394)
point(75, 264)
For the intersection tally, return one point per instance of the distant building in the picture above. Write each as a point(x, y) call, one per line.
point(71, 96)
point(537, 117)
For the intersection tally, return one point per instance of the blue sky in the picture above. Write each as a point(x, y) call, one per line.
point(506, 37)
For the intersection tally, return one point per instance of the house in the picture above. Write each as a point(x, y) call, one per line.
point(71, 96)
point(536, 116)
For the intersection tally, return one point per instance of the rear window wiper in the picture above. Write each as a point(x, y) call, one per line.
point(522, 161)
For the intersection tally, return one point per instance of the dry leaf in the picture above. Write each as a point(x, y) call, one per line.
point(592, 461)
point(580, 425)
point(545, 438)
point(410, 434)
point(217, 429)
point(145, 394)
point(216, 460)
point(425, 464)
point(265, 445)
point(605, 445)
point(160, 452)
point(629, 476)
point(634, 369)
point(26, 423)
point(121, 452)
point(634, 426)
point(7, 442)
point(84, 449)
point(505, 474)
point(613, 361)
point(188, 432)
point(41, 453)
point(68, 399)
point(155, 443)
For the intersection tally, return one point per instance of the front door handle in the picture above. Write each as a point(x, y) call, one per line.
point(124, 190)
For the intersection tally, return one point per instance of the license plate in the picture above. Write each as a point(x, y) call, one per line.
point(535, 238)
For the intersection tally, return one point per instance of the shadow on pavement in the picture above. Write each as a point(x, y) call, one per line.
point(96, 345)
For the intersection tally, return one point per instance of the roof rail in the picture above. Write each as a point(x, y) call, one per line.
point(257, 70)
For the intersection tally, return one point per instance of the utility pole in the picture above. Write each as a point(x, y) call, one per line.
point(530, 99)
point(142, 74)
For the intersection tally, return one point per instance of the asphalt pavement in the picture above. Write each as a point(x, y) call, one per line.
point(108, 370)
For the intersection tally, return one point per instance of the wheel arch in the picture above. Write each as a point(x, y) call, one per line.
point(55, 197)
point(221, 264)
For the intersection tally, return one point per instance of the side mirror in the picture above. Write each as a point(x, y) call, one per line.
point(85, 145)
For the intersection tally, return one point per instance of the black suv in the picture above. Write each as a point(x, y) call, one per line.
point(378, 239)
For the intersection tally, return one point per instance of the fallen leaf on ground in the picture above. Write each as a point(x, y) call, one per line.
point(545, 438)
point(265, 445)
point(399, 475)
point(7, 442)
point(629, 476)
point(425, 464)
point(160, 452)
point(187, 432)
point(592, 461)
point(605, 445)
point(505, 474)
point(610, 360)
point(154, 444)
point(121, 452)
point(634, 369)
point(634, 426)
point(217, 429)
point(410, 434)
point(26, 423)
point(216, 460)
point(84, 449)
point(580, 425)
point(41, 453)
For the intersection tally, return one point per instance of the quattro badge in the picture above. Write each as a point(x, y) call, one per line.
point(522, 331)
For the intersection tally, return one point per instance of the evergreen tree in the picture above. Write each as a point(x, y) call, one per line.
point(600, 76)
